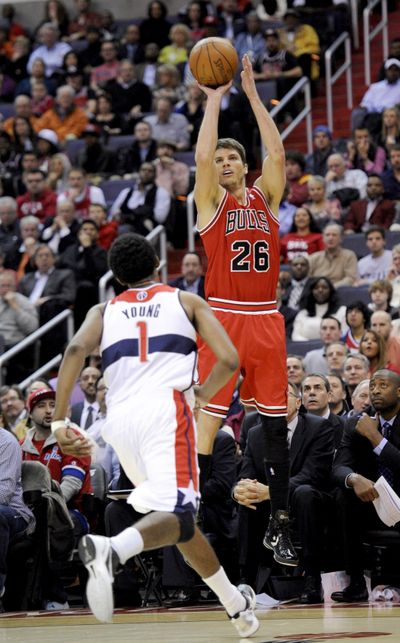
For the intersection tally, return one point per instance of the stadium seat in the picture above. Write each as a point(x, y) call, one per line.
point(392, 238)
point(72, 148)
point(301, 348)
point(111, 189)
point(357, 243)
point(266, 90)
point(348, 294)
point(7, 110)
point(115, 143)
point(185, 157)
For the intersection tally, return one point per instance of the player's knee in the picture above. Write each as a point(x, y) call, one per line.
point(186, 525)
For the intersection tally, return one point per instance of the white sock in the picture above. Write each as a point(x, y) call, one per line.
point(127, 544)
point(228, 594)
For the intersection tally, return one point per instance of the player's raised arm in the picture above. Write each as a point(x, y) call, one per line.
point(272, 180)
point(207, 191)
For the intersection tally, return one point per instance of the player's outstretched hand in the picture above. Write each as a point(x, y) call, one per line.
point(215, 91)
point(247, 76)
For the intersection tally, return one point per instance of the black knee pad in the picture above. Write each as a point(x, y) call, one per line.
point(186, 524)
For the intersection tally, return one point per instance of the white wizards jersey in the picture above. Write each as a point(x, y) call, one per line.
point(148, 343)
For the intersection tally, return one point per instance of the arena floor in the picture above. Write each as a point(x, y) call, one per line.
point(283, 624)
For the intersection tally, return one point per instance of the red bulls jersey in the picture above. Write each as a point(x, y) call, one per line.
point(243, 251)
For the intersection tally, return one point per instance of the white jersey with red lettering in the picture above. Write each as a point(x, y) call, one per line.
point(148, 343)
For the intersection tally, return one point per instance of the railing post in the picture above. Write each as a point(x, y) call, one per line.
point(370, 35)
point(354, 23)
point(331, 79)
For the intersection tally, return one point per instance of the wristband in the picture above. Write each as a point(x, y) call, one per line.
point(58, 424)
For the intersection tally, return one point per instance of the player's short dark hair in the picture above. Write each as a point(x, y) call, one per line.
point(132, 258)
point(232, 144)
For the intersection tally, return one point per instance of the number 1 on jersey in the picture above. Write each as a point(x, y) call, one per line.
point(143, 341)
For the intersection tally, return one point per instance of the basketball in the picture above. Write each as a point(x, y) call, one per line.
point(213, 61)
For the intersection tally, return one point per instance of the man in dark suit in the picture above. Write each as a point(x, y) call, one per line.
point(316, 396)
point(142, 150)
point(370, 448)
point(84, 413)
point(192, 278)
point(311, 455)
point(374, 210)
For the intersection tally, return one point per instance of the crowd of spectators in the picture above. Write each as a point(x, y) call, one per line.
point(91, 102)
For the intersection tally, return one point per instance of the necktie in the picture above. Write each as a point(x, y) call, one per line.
point(89, 418)
point(384, 470)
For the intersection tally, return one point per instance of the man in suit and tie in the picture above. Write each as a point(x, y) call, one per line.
point(370, 448)
point(311, 455)
point(191, 278)
point(84, 413)
point(374, 210)
point(316, 395)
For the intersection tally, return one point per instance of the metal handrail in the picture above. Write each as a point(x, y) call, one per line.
point(66, 314)
point(369, 36)
point(354, 23)
point(302, 85)
point(160, 232)
point(55, 361)
point(331, 79)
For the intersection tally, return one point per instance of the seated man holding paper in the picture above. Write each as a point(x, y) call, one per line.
point(370, 449)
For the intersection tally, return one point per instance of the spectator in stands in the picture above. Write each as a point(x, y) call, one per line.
point(81, 193)
point(56, 13)
point(381, 292)
point(129, 95)
point(360, 400)
point(9, 223)
point(61, 230)
point(381, 323)
point(318, 301)
point(391, 178)
point(373, 210)
point(171, 174)
point(177, 50)
point(108, 230)
point(51, 51)
point(338, 405)
point(109, 69)
point(147, 70)
point(336, 354)
point(28, 161)
point(193, 110)
point(19, 59)
point(339, 177)
point(193, 16)
point(230, 19)
point(38, 74)
point(355, 369)
point(19, 257)
point(316, 397)
point(335, 262)
point(394, 276)
point(106, 120)
point(379, 96)
point(377, 264)
point(369, 448)
point(191, 278)
point(142, 150)
point(16, 519)
point(297, 178)
point(286, 212)
point(390, 133)
point(311, 455)
point(23, 136)
point(94, 158)
point(58, 169)
point(46, 146)
point(303, 42)
point(374, 348)
point(300, 268)
point(169, 84)
point(357, 319)
point(13, 416)
point(303, 239)
point(142, 206)
point(131, 47)
point(89, 263)
point(90, 56)
point(38, 200)
point(363, 154)
point(251, 41)
point(316, 162)
point(84, 19)
point(65, 118)
point(18, 316)
point(295, 369)
point(329, 332)
point(155, 28)
point(168, 126)
point(41, 101)
point(323, 210)
point(22, 107)
point(394, 52)
point(85, 413)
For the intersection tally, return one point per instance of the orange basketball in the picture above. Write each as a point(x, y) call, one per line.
point(213, 61)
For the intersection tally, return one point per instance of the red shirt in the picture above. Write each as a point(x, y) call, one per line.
point(42, 207)
point(294, 245)
point(107, 233)
point(242, 248)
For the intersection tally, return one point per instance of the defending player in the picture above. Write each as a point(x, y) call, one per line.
point(240, 233)
point(148, 343)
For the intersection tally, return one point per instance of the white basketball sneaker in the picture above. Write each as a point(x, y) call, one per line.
point(96, 554)
point(246, 622)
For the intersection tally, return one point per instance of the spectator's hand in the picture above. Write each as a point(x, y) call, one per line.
point(250, 493)
point(363, 488)
point(10, 298)
point(362, 149)
point(351, 150)
point(368, 427)
point(30, 244)
point(41, 301)
point(59, 222)
point(331, 175)
point(136, 110)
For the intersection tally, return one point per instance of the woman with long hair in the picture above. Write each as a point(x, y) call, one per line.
point(324, 210)
point(24, 137)
point(304, 237)
point(374, 347)
point(155, 28)
point(108, 122)
point(56, 13)
point(59, 167)
point(390, 133)
point(357, 319)
point(319, 300)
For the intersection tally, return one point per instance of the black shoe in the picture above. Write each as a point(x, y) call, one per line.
point(277, 538)
point(356, 592)
point(312, 592)
point(182, 598)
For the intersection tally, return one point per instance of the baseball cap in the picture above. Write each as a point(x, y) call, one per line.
point(49, 135)
point(322, 128)
point(271, 32)
point(39, 395)
point(392, 62)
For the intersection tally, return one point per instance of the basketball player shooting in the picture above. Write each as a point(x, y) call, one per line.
point(239, 228)
point(147, 337)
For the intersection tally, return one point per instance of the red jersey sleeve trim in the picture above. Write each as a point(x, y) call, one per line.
point(262, 196)
point(215, 217)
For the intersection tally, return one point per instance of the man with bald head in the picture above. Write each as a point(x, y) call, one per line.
point(23, 108)
point(335, 262)
point(338, 177)
point(381, 322)
point(370, 448)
